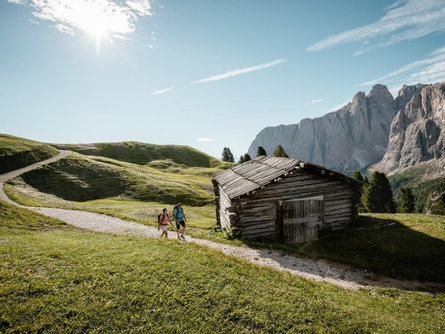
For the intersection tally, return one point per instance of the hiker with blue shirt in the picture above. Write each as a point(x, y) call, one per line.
point(178, 214)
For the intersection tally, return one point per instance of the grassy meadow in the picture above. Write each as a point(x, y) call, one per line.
point(56, 278)
point(18, 152)
point(59, 279)
point(408, 246)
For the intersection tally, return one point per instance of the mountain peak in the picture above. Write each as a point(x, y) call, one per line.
point(380, 92)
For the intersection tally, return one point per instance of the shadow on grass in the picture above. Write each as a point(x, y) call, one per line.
point(382, 246)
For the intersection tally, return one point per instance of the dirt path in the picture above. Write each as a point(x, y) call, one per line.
point(321, 271)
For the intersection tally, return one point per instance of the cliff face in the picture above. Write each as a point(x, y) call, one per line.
point(417, 131)
point(349, 139)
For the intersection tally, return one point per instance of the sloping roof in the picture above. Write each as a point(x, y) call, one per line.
point(254, 174)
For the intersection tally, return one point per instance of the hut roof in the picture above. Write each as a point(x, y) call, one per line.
point(254, 174)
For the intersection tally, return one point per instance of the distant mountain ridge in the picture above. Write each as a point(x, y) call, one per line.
point(349, 139)
point(417, 132)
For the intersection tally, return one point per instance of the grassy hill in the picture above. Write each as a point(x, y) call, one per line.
point(79, 178)
point(58, 279)
point(16, 152)
point(143, 154)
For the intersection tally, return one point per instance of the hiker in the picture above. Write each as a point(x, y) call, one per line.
point(163, 220)
point(178, 214)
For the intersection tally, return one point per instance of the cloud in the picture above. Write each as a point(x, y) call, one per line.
point(17, 2)
point(317, 100)
point(404, 20)
point(205, 139)
point(113, 19)
point(161, 91)
point(65, 29)
point(142, 7)
point(338, 106)
point(240, 71)
point(430, 69)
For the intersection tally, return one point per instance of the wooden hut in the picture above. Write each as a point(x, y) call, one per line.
point(285, 199)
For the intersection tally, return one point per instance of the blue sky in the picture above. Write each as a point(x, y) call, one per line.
point(208, 74)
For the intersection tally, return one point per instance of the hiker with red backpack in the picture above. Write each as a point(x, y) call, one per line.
point(179, 216)
point(163, 220)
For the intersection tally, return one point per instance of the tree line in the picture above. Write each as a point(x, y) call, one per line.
point(377, 195)
point(228, 156)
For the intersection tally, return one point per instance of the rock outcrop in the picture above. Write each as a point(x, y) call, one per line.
point(349, 139)
point(417, 131)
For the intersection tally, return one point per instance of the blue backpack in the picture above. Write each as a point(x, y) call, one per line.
point(175, 208)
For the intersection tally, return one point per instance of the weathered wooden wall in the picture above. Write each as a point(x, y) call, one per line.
point(257, 213)
point(225, 213)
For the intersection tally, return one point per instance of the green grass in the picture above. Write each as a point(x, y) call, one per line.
point(57, 279)
point(18, 152)
point(407, 250)
point(80, 178)
point(143, 154)
point(401, 246)
point(411, 248)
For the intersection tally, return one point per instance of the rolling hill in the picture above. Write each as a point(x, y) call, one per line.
point(16, 152)
point(143, 154)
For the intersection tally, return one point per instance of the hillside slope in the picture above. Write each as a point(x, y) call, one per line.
point(16, 152)
point(80, 178)
point(142, 153)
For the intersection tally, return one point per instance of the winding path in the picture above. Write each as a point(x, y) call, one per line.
point(320, 271)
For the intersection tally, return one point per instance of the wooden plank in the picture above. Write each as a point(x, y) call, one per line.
point(258, 227)
point(258, 234)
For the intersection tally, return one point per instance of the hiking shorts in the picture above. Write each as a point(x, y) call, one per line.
point(179, 224)
point(164, 228)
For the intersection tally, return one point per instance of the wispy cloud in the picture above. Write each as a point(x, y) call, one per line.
point(240, 71)
point(142, 7)
point(113, 19)
point(317, 100)
point(161, 91)
point(338, 106)
point(205, 139)
point(404, 20)
point(17, 2)
point(427, 70)
point(65, 29)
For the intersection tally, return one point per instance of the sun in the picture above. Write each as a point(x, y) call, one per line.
point(98, 31)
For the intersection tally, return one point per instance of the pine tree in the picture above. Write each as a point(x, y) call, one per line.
point(439, 208)
point(358, 176)
point(227, 155)
point(260, 151)
point(407, 197)
point(241, 159)
point(280, 152)
point(377, 195)
point(247, 157)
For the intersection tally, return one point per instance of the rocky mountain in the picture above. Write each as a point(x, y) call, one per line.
point(417, 132)
point(346, 140)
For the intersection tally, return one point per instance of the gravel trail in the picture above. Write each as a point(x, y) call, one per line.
point(320, 271)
